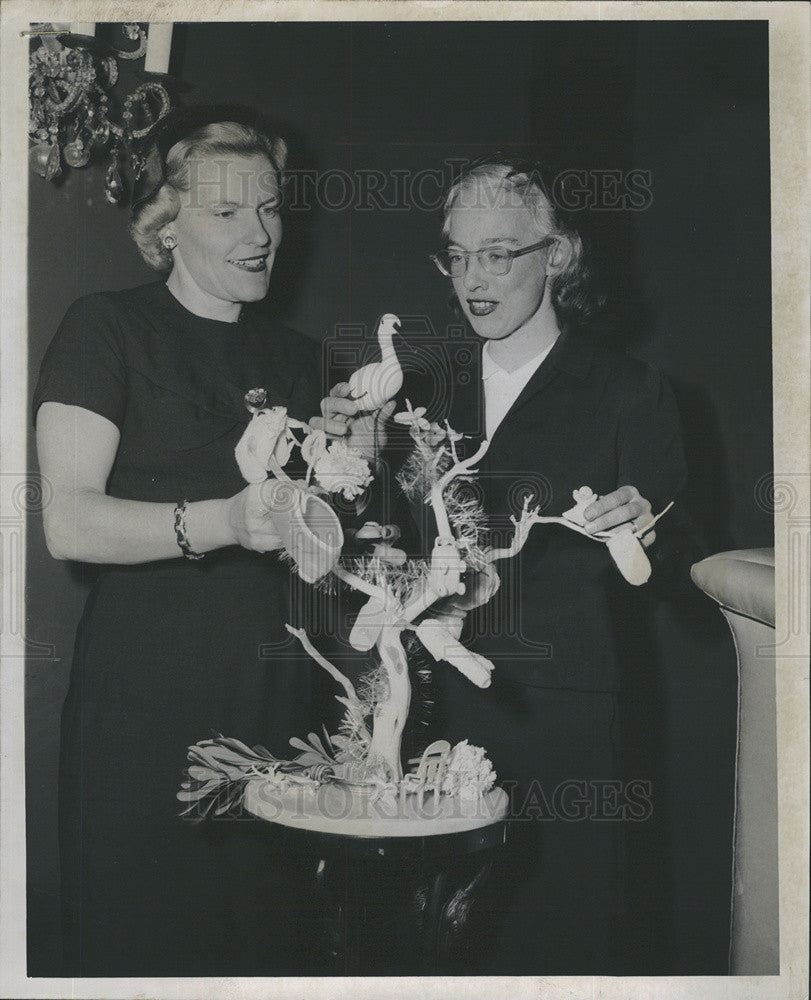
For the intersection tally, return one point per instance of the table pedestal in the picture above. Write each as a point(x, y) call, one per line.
point(394, 905)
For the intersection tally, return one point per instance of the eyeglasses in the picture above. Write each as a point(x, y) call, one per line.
point(495, 260)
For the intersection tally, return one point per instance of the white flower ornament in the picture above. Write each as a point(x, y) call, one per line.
point(342, 469)
point(582, 498)
point(413, 418)
point(313, 448)
point(264, 440)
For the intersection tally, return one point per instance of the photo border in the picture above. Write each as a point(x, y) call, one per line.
point(790, 113)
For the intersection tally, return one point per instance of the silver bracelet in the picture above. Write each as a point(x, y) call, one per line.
point(180, 533)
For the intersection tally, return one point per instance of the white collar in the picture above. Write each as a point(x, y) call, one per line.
point(491, 367)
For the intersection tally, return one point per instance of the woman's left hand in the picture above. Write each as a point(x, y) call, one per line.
point(248, 518)
point(624, 506)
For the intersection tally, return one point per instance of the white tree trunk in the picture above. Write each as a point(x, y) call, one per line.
point(390, 715)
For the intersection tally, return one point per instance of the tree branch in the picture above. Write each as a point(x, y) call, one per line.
point(437, 500)
point(529, 517)
point(419, 604)
point(333, 671)
point(356, 583)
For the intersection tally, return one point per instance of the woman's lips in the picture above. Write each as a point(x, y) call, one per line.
point(481, 307)
point(252, 264)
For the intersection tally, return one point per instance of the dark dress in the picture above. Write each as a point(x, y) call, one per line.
point(575, 665)
point(170, 652)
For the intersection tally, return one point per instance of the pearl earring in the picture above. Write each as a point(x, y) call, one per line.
point(169, 241)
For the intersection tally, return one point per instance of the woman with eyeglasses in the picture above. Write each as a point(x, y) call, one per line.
point(140, 403)
point(566, 633)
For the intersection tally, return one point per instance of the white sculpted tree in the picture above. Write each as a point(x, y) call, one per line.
point(429, 597)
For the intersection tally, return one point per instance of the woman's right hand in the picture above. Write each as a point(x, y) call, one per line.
point(365, 432)
point(76, 449)
point(250, 522)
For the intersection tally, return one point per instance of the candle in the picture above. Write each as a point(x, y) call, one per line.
point(83, 28)
point(158, 48)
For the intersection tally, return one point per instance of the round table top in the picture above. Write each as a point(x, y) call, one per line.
point(354, 827)
point(347, 846)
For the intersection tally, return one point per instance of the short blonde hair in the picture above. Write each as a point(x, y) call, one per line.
point(219, 138)
point(570, 288)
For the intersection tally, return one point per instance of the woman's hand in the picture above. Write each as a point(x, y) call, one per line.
point(250, 522)
point(624, 506)
point(366, 433)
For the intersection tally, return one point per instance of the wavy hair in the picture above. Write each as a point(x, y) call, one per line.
point(571, 289)
point(217, 139)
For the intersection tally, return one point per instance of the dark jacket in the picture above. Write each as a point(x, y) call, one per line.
point(587, 417)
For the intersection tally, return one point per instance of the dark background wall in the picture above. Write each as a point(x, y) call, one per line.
point(688, 277)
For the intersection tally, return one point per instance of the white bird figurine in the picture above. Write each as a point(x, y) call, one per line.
point(375, 384)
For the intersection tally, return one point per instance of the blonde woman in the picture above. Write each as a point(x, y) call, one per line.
point(561, 411)
point(139, 405)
